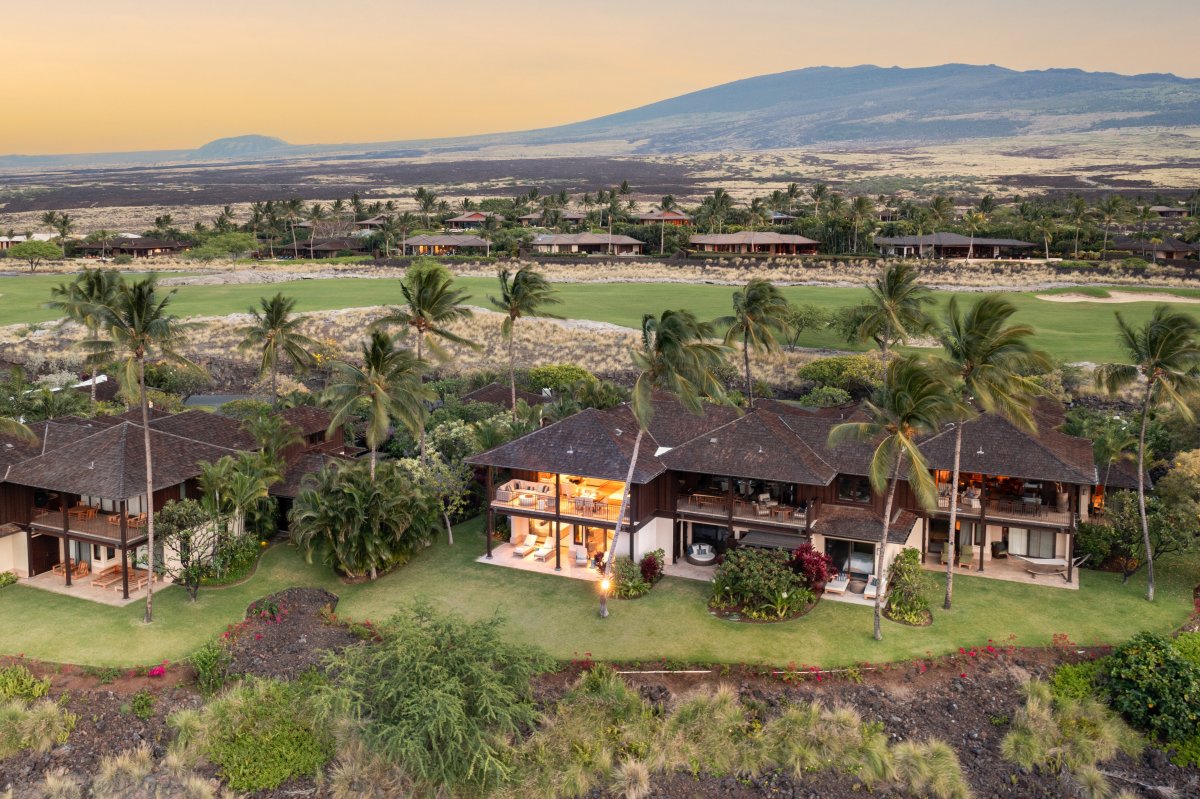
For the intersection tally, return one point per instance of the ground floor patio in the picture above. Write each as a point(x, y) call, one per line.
point(1010, 569)
point(84, 588)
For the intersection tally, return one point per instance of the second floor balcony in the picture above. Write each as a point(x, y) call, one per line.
point(590, 500)
point(747, 512)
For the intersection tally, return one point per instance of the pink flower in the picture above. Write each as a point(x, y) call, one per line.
point(963, 675)
point(157, 671)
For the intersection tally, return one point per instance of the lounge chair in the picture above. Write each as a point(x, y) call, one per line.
point(581, 556)
point(137, 521)
point(873, 588)
point(966, 555)
point(527, 546)
point(115, 520)
point(545, 550)
point(107, 577)
point(838, 584)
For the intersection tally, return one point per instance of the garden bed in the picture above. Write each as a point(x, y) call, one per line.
point(738, 613)
point(926, 619)
point(287, 633)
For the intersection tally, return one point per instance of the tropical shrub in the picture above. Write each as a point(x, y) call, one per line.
point(361, 526)
point(243, 409)
point(18, 682)
point(211, 663)
point(851, 373)
point(628, 581)
point(7, 579)
point(908, 583)
point(259, 734)
point(1155, 687)
point(652, 565)
point(446, 730)
point(824, 397)
point(761, 583)
point(173, 379)
point(1076, 680)
point(558, 377)
point(1188, 646)
point(142, 704)
point(815, 567)
point(38, 726)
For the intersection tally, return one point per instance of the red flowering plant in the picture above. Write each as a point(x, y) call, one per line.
point(815, 567)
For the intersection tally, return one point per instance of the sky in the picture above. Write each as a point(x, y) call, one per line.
point(111, 75)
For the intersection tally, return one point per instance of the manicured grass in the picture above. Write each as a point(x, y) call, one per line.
point(1070, 331)
point(559, 614)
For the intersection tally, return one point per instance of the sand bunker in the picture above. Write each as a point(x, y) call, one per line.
point(1120, 296)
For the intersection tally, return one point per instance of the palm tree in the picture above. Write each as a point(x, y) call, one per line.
point(81, 301)
point(760, 311)
point(14, 428)
point(316, 214)
point(49, 219)
point(65, 225)
point(1077, 212)
point(523, 294)
point(1164, 353)
point(275, 332)
point(293, 209)
point(942, 209)
point(1111, 444)
point(818, 193)
point(913, 401)
point(390, 382)
point(1111, 209)
point(140, 327)
point(973, 221)
point(676, 357)
point(862, 210)
point(987, 359)
point(427, 202)
point(895, 310)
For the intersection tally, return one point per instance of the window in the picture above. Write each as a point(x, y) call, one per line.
point(1032, 543)
point(853, 489)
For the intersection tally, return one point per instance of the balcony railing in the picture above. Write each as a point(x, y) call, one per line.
point(1015, 509)
point(747, 512)
point(540, 498)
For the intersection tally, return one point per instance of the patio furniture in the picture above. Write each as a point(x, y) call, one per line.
point(581, 556)
point(874, 586)
point(137, 521)
point(1044, 566)
point(82, 569)
point(107, 577)
point(839, 584)
point(526, 501)
point(61, 568)
point(761, 510)
point(527, 546)
point(999, 550)
point(781, 512)
point(82, 512)
point(115, 520)
point(701, 555)
point(857, 585)
point(544, 551)
point(966, 555)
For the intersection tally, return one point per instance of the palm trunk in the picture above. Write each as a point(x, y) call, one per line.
point(1104, 249)
point(1077, 242)
point(746, 360)
point(612, 550)
point(512, 369)
point(879, 577)
point(449, 529)
point(421, 437)
point(275, 384)
point(92, 334)
point(372, 465)
point(1147, 552)
point(149, 493)
point(953, 516)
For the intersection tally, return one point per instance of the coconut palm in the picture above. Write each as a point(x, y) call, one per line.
point(819, 193)
point(524, 294)
point(81, 299)
point(14, 429)
point(862, 212)
point(987, 359)
point(913, 401)
point(1111, 444)
point(1078, 213)
point(973, 221)
point(760, 312)
point(140, 327)
point(389, 381)
point(1111, 210)
point(65, 225)
point(895, 309)
point(676, 357)
point(432, 302)
point(275, 332)
point(273, 435)
point(314, 216)
point(1164, 354)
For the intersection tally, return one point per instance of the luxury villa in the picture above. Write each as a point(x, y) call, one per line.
point(73, 504)
point(951, 245)
point(767, 478)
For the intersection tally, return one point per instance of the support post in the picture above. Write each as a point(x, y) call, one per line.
point(28, 552)
point(66, 528)
point(491, 514)
point(729, 506)
point(924, 539)
point(122, 508)
point(557, 522)
point(983, 494)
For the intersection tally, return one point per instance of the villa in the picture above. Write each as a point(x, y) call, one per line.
point(472, 220)
point(951, 245)
point(538, 218)
point(768, 479)
point(1166, 248)
point(751, 242)
point(135, 247)
point(586, 243)
point(678, 218)
point(73, 505)
point(426, 244)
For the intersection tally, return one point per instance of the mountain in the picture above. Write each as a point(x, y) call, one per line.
point(865, 105)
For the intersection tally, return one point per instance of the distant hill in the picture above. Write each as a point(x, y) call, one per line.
point(817, 105)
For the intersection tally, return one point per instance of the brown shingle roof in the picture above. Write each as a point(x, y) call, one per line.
point(298, 469)
point(591, 443)
point(751, 237)
point(862, 524)
point(308, 419)
point(450, 240)
point(993, 445)
point(496, 394)
point(560, 239)
point(950, 240)
point(111, 463)
point(211, 428)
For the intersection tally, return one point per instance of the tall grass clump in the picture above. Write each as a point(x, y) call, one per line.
point(813, 737)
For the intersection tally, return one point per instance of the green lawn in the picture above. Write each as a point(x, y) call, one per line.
point(559, 614)
point(1071, 331)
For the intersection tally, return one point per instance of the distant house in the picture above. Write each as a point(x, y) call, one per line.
point(1169, 212)
point(780, 218)
point(472, 220)
point(749, 242)
point(951, 245)
point(501, 396)
point(137, 247)
point(538, 218)
point(890, 215)
point(589, 243)
point(324, 247)
point(656, 217)
point(1164, 247)
point(374, 223)
point(8, 241)
point(426, 244)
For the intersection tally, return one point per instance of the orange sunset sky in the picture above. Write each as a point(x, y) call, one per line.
point(88, 76)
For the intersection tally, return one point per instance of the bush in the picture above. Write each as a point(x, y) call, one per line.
point(558, 377)
point(18, 682)
point(262, 733)
point(628, 582)
point(7, 579)
point(824, 397)
point(243, 409)
point(851, 373)
point(176, 380)
point(652, 566)
point(39, 726)
point(1188, 647)
point(211, 663)
point(761, 583)
point(815, 567)
point(908, 583)
point(1075, 680)
point(447, 730)
point(142, 704)
point(1155, 687)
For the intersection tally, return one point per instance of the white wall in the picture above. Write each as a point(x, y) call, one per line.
point(14, 555)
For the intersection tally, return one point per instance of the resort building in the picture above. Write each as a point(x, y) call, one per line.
point(768, 478)
point(780, 218)
point(751, 242)
point(137, 247)
point(427, 244)
point(586, 243)
point(1167, 248)
point(952, 245)
point(1169, 211)
point(472, 220)
point(9, 241)
point(324, 247)
point(656, 217)
point(73, 503)
point(538, 218)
